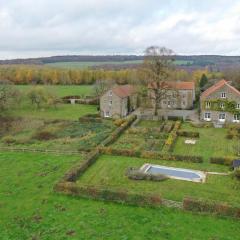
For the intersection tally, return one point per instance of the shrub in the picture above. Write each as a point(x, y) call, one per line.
point(119, 122)
point(236, 173)
point(9, 139)
point(222, 160)
point(44, 135)
point(188, 134)
point(198, 205)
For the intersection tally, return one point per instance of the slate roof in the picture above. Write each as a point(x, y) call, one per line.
point(218, 86)
point(174, 85)
point(124, 90)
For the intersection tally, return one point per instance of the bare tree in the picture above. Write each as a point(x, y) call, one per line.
point(101, 86)
point(9, 96)
point(158, 63)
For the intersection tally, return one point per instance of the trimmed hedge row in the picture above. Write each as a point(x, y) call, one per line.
point(172, 138)
point(203, 206)
point(188, 134)
point(78, 170)
point(115, 134)
point(222, 160)
point(107, 194)
point(149, 155)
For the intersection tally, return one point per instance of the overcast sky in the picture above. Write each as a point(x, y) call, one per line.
point(30, 28)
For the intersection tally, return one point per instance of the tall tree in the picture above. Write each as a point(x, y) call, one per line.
point(203, 81)
point(158, 63)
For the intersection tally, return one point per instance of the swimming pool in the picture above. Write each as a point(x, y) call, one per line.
point(175, 173)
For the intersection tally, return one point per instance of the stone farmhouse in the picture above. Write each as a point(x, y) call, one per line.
point(176, 95)
point(220, 103)
point(118, 102)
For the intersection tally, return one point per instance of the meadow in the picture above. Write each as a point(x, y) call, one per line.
point(85, 65)
point(29, 209)
point(62, 90)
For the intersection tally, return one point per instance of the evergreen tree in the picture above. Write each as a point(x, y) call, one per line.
point(203, 81)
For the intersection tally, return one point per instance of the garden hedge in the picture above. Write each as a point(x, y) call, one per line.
point(150, 155)
point(108, 194)
point(222, 160)
point(203, 206)
point(188, 134)
point(79, 169)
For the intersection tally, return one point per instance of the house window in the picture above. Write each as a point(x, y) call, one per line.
point(238, 106)
point(236, 118)
point(207, 116)
point(223, 95)
point(110, 103)
point(110, 93)
point(208, 104)
point(107, 114)
point(183, 103)
point(222, 105)
point(222, 117)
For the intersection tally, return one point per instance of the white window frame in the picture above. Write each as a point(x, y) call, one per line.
point(222, 117)
point(222, 105)
point(110, 93)
point(208, 105)
point(223, 95)
point(106, 114)
point(236, 118)
point(238, 106)
point(110, 103)
point(207, 116)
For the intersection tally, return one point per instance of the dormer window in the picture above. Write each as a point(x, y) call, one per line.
point(208, 104)
point(223, 95)
point(222, 105)
point(238, 106)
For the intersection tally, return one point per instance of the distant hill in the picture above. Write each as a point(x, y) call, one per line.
point(214, 62)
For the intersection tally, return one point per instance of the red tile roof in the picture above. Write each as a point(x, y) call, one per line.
point(124, 91)
point(217, 86)
point(174, 85)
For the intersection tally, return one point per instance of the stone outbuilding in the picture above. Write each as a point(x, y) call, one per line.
point(118, 102)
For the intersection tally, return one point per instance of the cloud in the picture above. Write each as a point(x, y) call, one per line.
point(33, 28)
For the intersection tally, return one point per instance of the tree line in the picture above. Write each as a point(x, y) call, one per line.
point(32, 74)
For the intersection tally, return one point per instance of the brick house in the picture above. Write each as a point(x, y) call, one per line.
point(118, 102)
point(177, 95)
point(220, 103)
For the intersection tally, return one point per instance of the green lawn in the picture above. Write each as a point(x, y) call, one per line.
point(110, 171)
point(212, 142)
point(29, 209)
point(63, 111)
point(62, 90)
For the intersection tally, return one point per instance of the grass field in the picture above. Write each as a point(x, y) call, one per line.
point(84, 65)
point(29, 209)
point(63, 111)
point(110, 171)
point(212, 142)
point(62, 90)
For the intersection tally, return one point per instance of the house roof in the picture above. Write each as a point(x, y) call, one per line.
point(174, 85)
point(236, 163)
point(218, 86)
point(124, 90)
